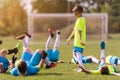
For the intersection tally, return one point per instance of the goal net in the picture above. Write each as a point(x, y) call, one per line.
point(97, 25)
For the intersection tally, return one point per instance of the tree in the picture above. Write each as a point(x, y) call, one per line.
point(13, 17)
point(50, 6)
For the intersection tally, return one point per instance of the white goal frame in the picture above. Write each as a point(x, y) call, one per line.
point(103, 17)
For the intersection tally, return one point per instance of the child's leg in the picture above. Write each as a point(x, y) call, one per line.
point(48, 43)
point(26, 42)
point(95, 60)
point(49, 40)
point(75, 58)
point(27, 54)
point(35, 60)
point(57, 41)
point(50, 64)
point(102, 57)
point(47, 62)
point(79, 58)
point(56, 52)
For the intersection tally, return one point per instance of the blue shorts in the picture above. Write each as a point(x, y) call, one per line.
point(5, 62)
point(35, 60)
point(114, 60)
point(26, 56)
point(85, 60)
point(31, 59)
point(77, 49)
point(53, 55)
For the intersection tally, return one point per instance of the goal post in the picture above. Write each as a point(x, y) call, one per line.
point(97, 23)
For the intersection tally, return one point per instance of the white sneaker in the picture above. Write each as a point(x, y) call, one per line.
point(78, 70)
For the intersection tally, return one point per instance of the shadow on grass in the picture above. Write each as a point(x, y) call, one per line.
point(42, 74)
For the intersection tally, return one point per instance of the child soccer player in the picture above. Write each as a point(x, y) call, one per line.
point(30, 63)
point(79, 34)
point(53, 54)
point(4, 63)
point(103, 69)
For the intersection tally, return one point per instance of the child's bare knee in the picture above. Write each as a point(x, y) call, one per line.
point(27, 49)
point(39, 50)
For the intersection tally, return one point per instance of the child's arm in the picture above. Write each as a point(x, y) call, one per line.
point(116, 74)
point(85, 70)
point(12, 65)
point(69, 38)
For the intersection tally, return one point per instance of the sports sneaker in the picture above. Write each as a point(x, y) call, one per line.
point(27, 34)
point(50, 31)
point(0, 42)
point(102, 45)
point(15, 50)
point(78, 70)
point(21, 37)
point(52, 65)
point(11, 51)
point(58, 32)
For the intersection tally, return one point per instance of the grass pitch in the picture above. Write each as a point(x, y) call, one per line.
point(65, 71)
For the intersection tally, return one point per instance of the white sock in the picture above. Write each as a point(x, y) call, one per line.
point(118, 61)
point(57, 41)
point(95, 60)
point(26, 41)
point(102, 53)
point(75, 57)
point(48, 43)
point(79, 58)
point(47, 62)
point(102, 62)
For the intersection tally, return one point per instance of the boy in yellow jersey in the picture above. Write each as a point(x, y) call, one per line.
point(79, 34)
point(103, 69)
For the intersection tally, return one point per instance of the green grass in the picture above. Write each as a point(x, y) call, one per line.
point(65, 71)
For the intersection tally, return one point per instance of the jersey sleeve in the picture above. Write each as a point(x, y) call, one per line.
point(33, 70)
point(95, 71)
point(14, 71)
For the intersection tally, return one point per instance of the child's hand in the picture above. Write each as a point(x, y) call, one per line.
point(82, 43)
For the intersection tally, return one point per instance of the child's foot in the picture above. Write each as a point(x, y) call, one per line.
point(50, 31)
point(0, 42)
point(15, 50)
point(52, 65)
point(27, 34)
point(21, 37)
point(58, 32)
point(78, 70)
point(11, 51)
point(102, 45)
